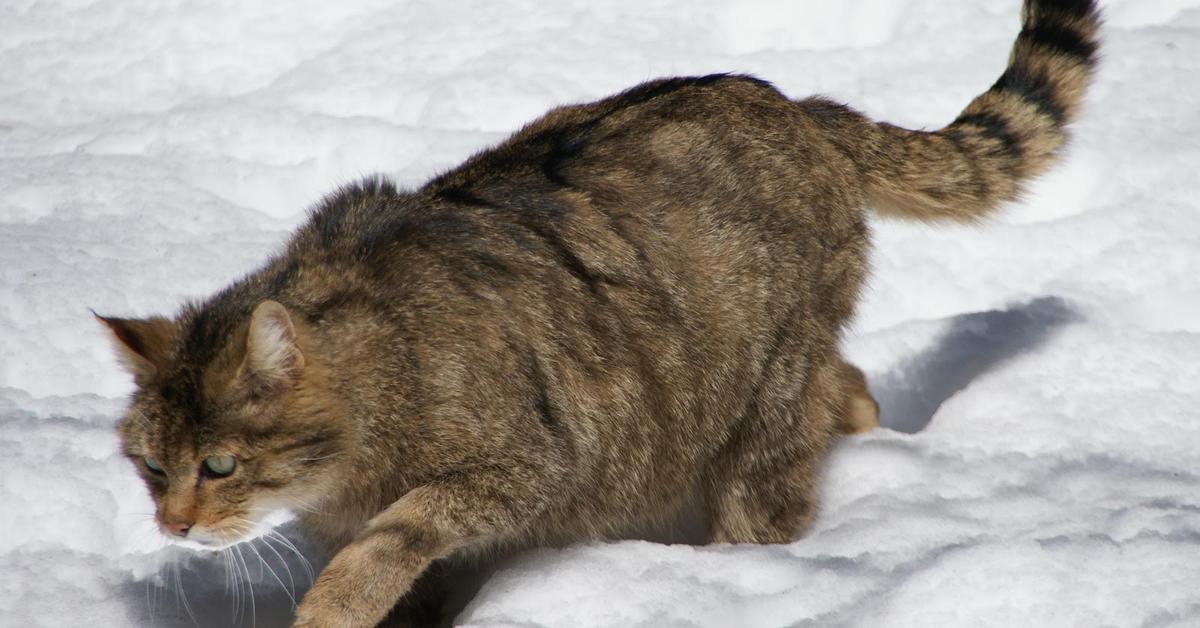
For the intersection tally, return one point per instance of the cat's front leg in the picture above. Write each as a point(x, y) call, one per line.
point(362, 582)
point(366, 578)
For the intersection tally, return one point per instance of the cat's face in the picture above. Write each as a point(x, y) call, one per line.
point(223, 445)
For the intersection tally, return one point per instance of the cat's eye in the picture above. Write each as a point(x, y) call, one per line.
point(219, 466)
point(153, 465)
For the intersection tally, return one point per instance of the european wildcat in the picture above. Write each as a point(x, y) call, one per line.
point(625, 301)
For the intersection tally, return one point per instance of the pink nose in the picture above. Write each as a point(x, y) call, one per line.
point(178, 528)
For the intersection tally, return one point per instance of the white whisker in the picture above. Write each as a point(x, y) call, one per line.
point(233, 582)
point(286, 568)
point(303, 561)
point(149, 601)
point(263, 562)
point(250, 584)
point(181, 594)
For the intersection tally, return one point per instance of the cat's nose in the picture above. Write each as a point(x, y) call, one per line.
point(178, 528)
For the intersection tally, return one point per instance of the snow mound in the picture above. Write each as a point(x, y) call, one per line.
point(1039, 375)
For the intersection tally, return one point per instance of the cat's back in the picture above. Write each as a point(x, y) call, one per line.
point(707, 143)
point(624, 267)
point(679, 222)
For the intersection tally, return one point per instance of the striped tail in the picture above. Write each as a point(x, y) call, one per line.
point(1005, 137)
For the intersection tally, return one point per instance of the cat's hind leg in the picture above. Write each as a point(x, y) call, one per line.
point(860, 412)
point(763, 486)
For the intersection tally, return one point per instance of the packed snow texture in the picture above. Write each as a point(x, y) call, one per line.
point(1039, 374)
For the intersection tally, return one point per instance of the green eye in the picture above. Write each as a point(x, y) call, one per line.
point(219, 466)
point(152, 464)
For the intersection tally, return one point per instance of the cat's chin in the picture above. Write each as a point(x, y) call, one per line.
point(205, 545)
point(203, 540)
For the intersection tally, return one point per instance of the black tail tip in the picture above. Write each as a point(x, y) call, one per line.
point(1063, 9)
point(1068, 27)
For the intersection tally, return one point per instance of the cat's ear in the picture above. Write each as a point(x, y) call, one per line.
point(273, 358)
point(142, 344)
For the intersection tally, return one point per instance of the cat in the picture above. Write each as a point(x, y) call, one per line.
point(625, 303)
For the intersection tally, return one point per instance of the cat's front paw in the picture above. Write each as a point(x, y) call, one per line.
point(343, 595)
point(331, 602)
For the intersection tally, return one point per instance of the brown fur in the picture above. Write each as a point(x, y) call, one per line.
point(561, 339)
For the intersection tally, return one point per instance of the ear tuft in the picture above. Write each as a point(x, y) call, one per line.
point(142, 344)
point(273, 356)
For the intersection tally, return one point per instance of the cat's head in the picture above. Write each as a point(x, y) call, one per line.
point(229, 423)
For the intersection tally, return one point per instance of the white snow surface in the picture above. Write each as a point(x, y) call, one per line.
point(1039, 374)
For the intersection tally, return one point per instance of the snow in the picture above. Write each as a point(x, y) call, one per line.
point(1039, 375)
